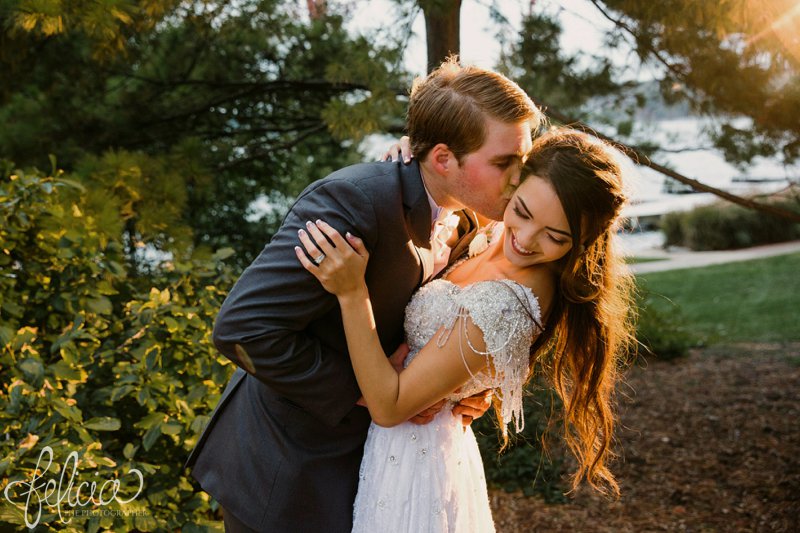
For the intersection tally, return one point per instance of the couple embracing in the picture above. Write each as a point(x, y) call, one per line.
point(319, 429)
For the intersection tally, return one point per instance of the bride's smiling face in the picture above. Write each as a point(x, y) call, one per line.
point(536, 227)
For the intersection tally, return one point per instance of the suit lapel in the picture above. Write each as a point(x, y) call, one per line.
point(418, 216)
point(467, 227)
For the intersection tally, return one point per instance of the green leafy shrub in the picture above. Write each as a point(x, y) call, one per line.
point(119, 370)
point(723, 226)
point(671, 226)
point(527, 463)
point(661, 328)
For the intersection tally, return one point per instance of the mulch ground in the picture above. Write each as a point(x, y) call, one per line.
point(708, 443)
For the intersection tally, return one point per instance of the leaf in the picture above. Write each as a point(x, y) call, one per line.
point(32, 368)
point(115, 268)
point(151, 420)
point(138, 352)
point(151, 436)
point(222, 254)
point(71, 183)
point(11, 514)
point(202, 526)
point(29, 441)
point(129, 451)
point(199, 423)
point(13, 308)
point(171, 428)
point(27, 21)
point(184, 408)
point(94, 525)
point(6, 334)
point(122, 391)
point(100, 305)
point(172, 324)
point(52, 25)
point(103, 423)
point(106, 461)
point(145, 522)
point(70, 412)
point(143, 395)
point(63, 370)
point(121, 16)
point(153, 356)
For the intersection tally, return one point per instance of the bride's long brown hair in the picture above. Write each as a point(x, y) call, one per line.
point(589, 325)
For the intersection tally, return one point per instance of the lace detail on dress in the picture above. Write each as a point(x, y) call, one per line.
point(507, 314)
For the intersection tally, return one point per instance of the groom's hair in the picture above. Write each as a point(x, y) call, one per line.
point(451, 104)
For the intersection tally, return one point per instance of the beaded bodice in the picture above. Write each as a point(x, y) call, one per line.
point(507, 314)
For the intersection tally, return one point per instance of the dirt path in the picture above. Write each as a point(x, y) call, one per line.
point(710, 443)
point(675, 259)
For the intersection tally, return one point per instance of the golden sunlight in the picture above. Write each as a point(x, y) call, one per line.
point(781, 20)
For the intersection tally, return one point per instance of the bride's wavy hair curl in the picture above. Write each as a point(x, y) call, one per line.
point(589, 327)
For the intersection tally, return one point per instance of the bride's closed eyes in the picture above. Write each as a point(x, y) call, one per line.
point(529, 216)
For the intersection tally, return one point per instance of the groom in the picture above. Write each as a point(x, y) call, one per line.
point(283, 447)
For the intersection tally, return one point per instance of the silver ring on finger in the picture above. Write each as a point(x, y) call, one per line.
point(319, 258)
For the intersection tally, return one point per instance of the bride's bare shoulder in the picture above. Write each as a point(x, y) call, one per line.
point(542, 282)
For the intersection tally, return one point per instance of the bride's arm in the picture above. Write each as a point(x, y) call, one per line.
point(436, 371)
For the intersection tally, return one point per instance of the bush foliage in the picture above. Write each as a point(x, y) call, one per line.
point(723, 226)
point(118, 369)
point(661, 328)
point(533, 461)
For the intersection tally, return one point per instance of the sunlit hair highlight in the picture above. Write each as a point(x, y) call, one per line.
point(451, 104)
point(588, 329)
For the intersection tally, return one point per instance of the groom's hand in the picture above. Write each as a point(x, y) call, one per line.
point(473, 406)
point(427, 415)
point(469, 408)
point(399, 356)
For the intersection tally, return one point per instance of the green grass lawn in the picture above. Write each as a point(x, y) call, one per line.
point(756, 300)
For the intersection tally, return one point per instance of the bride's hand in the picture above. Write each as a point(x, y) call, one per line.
point(340, 266)
point(402, 147)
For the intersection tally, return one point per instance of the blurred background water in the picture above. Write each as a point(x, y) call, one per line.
point(653, 194)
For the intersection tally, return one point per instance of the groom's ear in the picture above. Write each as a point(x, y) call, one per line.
point(442, 159)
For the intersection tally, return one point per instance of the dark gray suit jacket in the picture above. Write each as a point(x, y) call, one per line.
point(284, 444)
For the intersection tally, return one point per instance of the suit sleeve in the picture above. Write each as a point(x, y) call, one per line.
point(263, 323)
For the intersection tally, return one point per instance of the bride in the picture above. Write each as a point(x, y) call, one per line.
point(548, 288)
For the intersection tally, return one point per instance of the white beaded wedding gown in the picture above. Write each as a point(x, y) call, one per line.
point(430, 478)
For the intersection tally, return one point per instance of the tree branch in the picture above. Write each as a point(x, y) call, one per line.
point(680, 150)
point(642, 159)
point(639, 43)
point(273, 85)
point(283, 146)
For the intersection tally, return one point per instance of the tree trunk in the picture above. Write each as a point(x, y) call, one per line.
point(442, 27)
point(317, 9)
